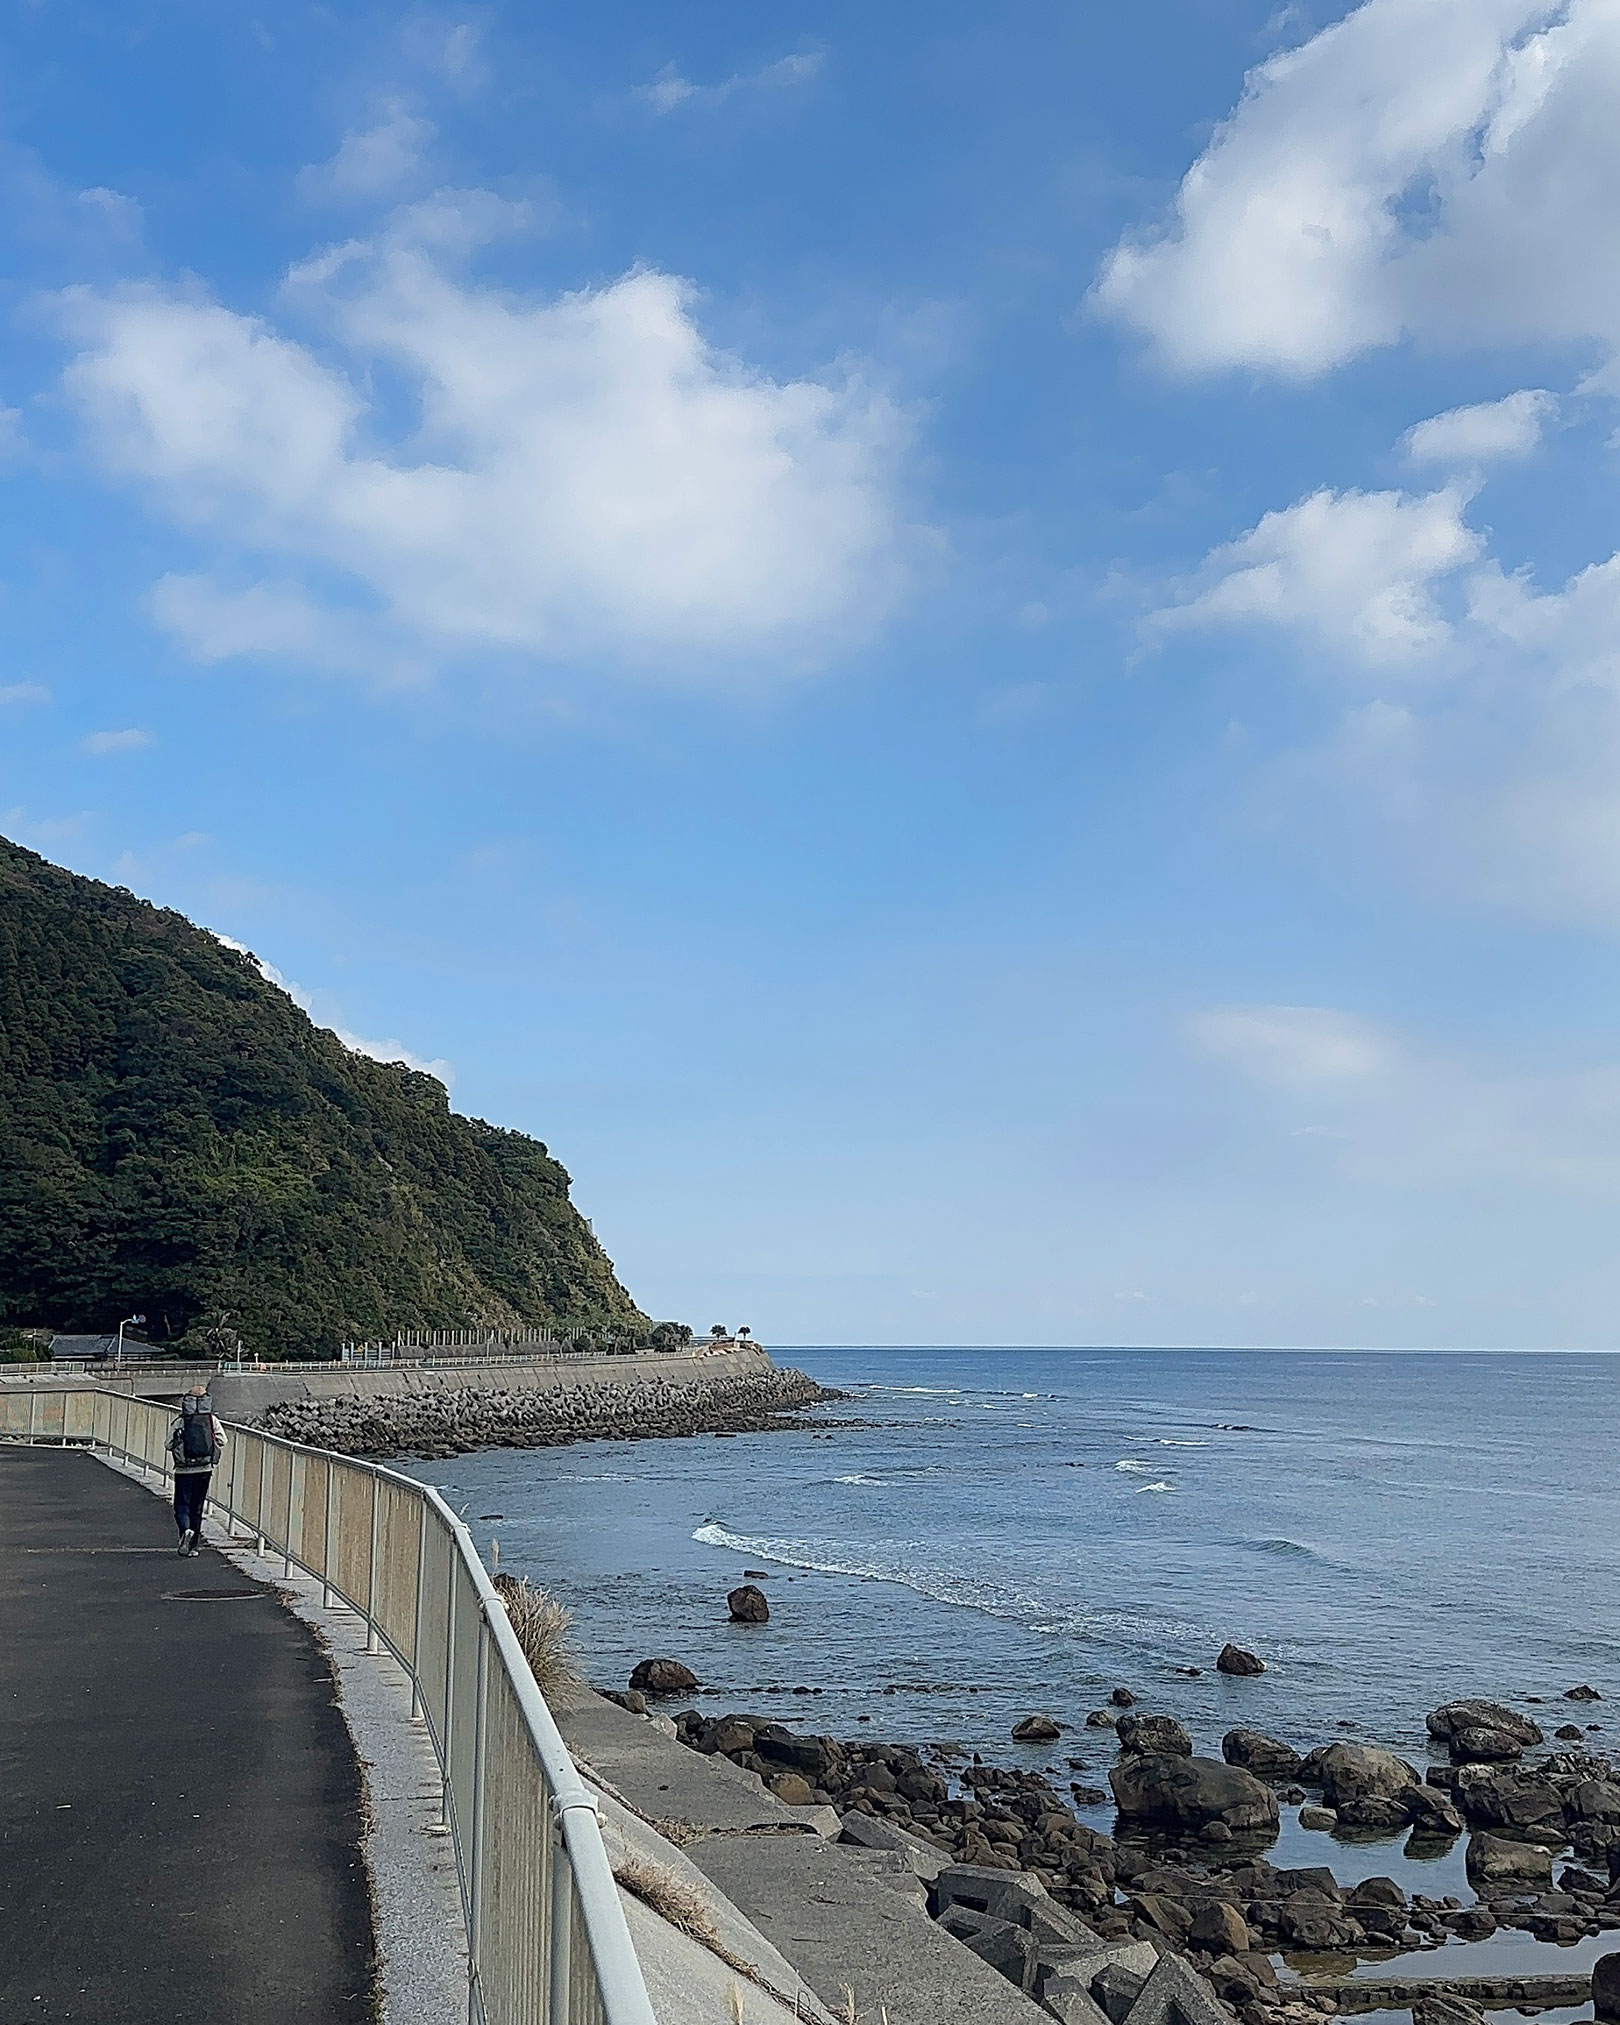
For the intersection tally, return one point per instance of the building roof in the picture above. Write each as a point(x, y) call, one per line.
point(82, 1347)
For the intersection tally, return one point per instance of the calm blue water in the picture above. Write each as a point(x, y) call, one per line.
point(1020, 1530)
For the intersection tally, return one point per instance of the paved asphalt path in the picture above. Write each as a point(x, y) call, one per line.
point(180, 1806)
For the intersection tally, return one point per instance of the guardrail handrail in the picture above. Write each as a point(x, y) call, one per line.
point(547, 1940)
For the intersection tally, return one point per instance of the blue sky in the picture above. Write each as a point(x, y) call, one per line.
point(971, 657)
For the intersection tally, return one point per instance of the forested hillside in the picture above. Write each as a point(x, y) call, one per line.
point(179, 1140)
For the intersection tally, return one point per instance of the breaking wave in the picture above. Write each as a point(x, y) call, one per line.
point(1154, 1487)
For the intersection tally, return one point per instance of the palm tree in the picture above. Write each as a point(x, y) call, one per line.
point(719, 1331)
point(744, 1333)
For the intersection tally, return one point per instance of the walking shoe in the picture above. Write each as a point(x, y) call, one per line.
point(185, 1543)
point(196, 1546)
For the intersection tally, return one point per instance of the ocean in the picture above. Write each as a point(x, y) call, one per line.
point(1013, 1531)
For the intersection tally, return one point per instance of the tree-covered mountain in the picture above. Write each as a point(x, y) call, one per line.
point(179, 1140)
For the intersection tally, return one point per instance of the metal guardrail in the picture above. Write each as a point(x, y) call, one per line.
point(547, 1942)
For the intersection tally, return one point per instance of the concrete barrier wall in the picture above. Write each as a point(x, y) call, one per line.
point(247, 1396)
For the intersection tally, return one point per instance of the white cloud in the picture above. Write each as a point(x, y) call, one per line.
point(24, 692)
point(133, 740)
point(1498, 774)
point(1295, 1046)
point(585, 473)
point(670, 89)
point(1357, 570)
point(1384, 1110)
point(1443, 169)
point(1464, 438)
point(357, 1044)
point(374, 161)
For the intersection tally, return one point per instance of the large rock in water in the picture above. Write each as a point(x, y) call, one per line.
point(662, 1677)
point(1494, 1860)
point(1264, 1756)
point(1517, 1802)
point(1154, 1736)
point(1455, 1718)
point(747, 1605)
point(1366, 1786)
point(1182, 1796)
point(1606, 1986)
point(1234, 1659)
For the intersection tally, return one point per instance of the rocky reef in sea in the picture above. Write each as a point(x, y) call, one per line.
point(1083, 1921)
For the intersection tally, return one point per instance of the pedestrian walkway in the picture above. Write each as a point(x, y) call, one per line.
point(180, 1806)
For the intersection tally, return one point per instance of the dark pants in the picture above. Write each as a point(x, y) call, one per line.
point(189, 1495)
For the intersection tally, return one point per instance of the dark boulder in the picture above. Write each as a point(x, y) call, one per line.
point(1365, 1786)
point(1584, 1693)
point(1122, 1698)
point(748, 1606)
point(662, 1677)
point(1515, 1802)
point(1183, 1795)
point(1453, 1718)
point(1606, 1986)
point(1480, 1746)
point(1036, 1730)
point(1149, 1736)
point(1264, 1756)
point(1431, 1813)
point(1306, 1920)
point(1233, 1659)
point(1514, 1865)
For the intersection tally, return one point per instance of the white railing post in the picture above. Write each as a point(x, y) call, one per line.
point(562, 1924)
point(449, 1681)
point(475, 1887)
point(326, 1552)
point(294, 1463)
point(416, 1629)
point(372, 1643)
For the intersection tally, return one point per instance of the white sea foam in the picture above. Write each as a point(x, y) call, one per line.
point(1155, 1487)
point(860, 1477)
point(1135, 1467)
point(1166, 1442)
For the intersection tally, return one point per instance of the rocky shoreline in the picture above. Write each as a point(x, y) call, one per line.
point(452, 1421)
point(1185, 1870)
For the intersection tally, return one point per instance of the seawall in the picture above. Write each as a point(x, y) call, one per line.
point(247, 1395)
point(463, 1410)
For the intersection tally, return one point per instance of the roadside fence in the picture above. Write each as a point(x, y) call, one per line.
point(547, 1941)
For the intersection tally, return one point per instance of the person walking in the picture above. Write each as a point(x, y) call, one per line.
point(196, 1441)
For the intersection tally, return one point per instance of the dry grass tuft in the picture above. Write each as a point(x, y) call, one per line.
point(671, 1897)
point(542, 1626)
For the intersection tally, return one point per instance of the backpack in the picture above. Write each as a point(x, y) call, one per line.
point(196, 1443)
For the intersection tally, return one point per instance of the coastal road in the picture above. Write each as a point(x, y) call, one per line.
point(180, 1805)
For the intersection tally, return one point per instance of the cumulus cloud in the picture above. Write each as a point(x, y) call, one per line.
point(585, 473)
point(373, 161)
point(1442, 170)
point(1357, 570)
point(1393, 1112)
point(670, 89)
point(1462, 439)
point(1495, 764)
point(101, 743)
point(357, 1044)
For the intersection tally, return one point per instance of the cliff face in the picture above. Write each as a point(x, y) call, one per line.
point(178, 1139)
